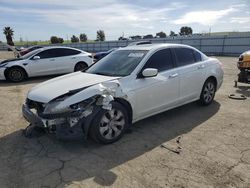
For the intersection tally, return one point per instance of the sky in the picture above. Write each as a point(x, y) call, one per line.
point(41, 19)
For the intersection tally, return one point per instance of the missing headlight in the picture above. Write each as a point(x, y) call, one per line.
point(83, 104)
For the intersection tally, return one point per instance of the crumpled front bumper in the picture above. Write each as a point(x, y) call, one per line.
point(62, 131)
point(31, 117)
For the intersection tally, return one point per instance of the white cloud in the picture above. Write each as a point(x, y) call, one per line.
point(64, 17)
point(203, 17)
point(240, 20)
point(96, 14)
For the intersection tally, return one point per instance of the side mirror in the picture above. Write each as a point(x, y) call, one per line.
point(149, 72)
point(36, 57)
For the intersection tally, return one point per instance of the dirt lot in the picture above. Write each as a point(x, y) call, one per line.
point(215, 144)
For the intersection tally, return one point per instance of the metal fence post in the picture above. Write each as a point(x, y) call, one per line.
point(223, 45)
point(200, 43)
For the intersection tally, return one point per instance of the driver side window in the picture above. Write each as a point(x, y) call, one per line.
point(44, 54)
point(161, 60)
point(50, 53)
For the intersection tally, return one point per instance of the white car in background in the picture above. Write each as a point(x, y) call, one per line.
point(45, 61)
point(128, 85)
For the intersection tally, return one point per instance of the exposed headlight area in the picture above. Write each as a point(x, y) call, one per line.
point(83, 105)
point(56, 108)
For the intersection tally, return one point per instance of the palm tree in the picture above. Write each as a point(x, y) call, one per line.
point(9, 34)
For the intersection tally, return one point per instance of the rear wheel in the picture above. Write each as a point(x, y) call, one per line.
point(208, 92)
point(16, 74)
point(80, 66)
point(109, 125)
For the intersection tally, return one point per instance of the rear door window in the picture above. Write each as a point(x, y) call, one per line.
point(197, 56)
point(184, 56)
point(68, 52)
point(161, 60)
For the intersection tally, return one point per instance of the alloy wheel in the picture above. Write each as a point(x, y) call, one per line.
point(112, 123)
point(209, 92)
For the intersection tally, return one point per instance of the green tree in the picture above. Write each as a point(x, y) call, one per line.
point(186, 30)
point(83, 37)
point(161, 34)
point(120, 38)
point(100, 35)
point(136, 37)
point(9, 33)
point(172, 34)
point(149, 36)
point(74, 39)
point(60, 40)
point(56, 40)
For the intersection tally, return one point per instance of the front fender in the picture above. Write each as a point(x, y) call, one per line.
point(108, 88)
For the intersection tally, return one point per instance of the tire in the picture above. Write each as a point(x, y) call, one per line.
point(106, 129)
point(208, 92)
point(16, 74)
point(80, 66)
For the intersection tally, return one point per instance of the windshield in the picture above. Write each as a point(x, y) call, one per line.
point(28, 55)
point(118, 63)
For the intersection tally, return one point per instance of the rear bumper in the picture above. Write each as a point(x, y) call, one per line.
point(2, 77)
point(62, 131)
point(220, 81)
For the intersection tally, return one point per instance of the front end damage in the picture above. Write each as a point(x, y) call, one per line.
point(69, 116)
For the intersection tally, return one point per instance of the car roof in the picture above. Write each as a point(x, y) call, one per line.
point(64, 47)
point(153, 46)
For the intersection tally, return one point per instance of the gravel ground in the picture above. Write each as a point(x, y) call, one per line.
point(6, 55)
point(214, 142)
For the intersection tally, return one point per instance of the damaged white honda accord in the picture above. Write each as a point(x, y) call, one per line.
point(128, 85)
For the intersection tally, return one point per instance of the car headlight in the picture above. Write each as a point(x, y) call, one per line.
point(3, 65)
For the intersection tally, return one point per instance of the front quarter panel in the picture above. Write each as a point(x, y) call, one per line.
point(109, 88)
point(22, 63)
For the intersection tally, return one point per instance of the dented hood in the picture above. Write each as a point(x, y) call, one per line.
point(53, 88)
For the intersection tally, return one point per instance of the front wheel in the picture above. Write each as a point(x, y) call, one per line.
point(16, 74)
point(109, 125)
point(208, 92)
point(80, 66)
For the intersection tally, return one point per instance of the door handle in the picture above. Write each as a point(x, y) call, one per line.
point(73, 58)
point(52, 60)
point(201, 66)
point(173, 75)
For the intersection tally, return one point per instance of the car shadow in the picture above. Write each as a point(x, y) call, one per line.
point(45, 161)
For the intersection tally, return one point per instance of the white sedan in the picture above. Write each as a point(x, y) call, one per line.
point(45, 61)
point(128, 85)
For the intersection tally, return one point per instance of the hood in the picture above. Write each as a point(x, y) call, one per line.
point(10, 60)
point(56, 87)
